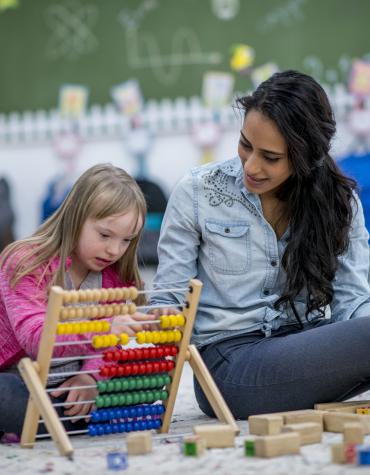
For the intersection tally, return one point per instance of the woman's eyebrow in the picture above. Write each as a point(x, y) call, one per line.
point(263, 149)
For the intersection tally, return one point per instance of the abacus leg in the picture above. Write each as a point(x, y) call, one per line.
point(210, 389)
point(45, 408)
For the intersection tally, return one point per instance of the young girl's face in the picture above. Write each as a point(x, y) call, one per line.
point(264, 154)
point(103, 242)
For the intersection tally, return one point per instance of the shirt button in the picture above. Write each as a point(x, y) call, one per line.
point(227, 230)
point(273, 263)
point(266, 292)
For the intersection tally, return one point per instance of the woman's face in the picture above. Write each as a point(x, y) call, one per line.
point(263, 152)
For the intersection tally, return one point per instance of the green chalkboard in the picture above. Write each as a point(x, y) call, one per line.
point(167, 45)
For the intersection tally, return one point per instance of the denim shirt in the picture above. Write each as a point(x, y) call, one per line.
point(214, 230)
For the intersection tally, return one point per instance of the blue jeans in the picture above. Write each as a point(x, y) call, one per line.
point(13, 403)
point(293, 369)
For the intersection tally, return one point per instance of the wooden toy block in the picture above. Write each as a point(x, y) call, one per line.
point(216, 436)
point(350, 453)
point(139, 443)
point(337, 405)
point(308, 415)
point(362, 410)
point(353, 433)
point(250, 447)
point(193, 445)
point(338, 454)
point(265, 424)
point(334, 421)
point(309, 432)
point(276, 445)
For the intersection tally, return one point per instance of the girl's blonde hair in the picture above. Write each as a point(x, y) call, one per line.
point(102, 191)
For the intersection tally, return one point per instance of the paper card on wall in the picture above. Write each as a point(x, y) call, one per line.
point(359, 80)
point(73, 100)
point(242, 57)
point(263, 72)
point(127, 97)
point(217, 89)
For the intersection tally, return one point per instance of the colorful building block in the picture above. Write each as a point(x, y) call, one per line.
point(117, 461)
point(249, 447)
point(363, 454)
point(193, 445)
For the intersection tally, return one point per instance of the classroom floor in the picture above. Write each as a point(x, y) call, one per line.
point(166, 458)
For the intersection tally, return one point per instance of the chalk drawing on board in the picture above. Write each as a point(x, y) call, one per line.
point(286, 14)
point(225, 9)
point(71, 24)
point(144, 51)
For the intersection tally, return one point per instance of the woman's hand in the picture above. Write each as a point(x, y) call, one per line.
point(141, 320)
point(75, 395)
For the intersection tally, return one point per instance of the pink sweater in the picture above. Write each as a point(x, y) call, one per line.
point(22, 314)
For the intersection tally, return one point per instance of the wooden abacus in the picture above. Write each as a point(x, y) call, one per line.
point(74, 312)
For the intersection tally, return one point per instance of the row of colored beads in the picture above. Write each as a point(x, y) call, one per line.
point(129, 384)
point(118, 413)
point(126, 399)
point(94, 311)
point(97, 326)
point(102, 295)
point(105, 429)
point(155, 337)
point(128, 369)
point(134, 354)
point(168, 321)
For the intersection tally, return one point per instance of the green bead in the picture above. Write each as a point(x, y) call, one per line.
point(139, 383)
point(131, 384)
point(164, 395)
point(153, 381)
point(150, 396)
point(124, 384)
point(107, 401)
point(99, 401)
point(146, 382)
point(160, 382)
point(136, 398)
point(143, 397)
point(115, 400)
point(122, 399)
point(117, 385)
point(167, 379)
point(129, 399)
point(102, 386)
point(157, 395)
point(110, 386)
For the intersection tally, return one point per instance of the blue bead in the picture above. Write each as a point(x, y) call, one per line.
point(118, 413)
point(125, 413)
point(143, 425)
point(133, 412)
point(140, 411)
point(112, 414)
point(92, 430)
point(157, 423)
point(95, 416)
point(136, 426)
point(160, 409)
point(150, 424)
point(108, 429)
point(100, 429)
point(147, 410)
point(122, 427)
point(129, 427)
point(104, 415)
point(117, 461)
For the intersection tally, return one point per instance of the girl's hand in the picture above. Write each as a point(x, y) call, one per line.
point(119, 323)
point(165, 311)
point(75, 395)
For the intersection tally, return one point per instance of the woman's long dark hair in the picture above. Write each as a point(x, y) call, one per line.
point(319, 198)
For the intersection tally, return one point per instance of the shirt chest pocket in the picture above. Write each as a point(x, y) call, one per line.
point(228, 246)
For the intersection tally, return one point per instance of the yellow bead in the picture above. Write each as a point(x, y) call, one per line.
point(97, 341)
point(68, 328)
point(113, 340)
point(124, 339)
point(180, 320)
point(148, 337)
point(170, 336)
point(164, 321)
point(106, 325)
point(90, 327)
point(140, 338)
point(156, 337)
point(98, 327)
point(163, 337)
point(84, 327)
point(76, 328)
point(61, 329)
point(178, 335)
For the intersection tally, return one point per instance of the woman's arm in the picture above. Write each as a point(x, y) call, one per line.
point(178, 244)
point(351, 283)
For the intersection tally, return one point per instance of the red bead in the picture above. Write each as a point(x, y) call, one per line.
point(149, 368)
point(112, 371)
point(107, 356)
point(127, 370)
point(117, 355)
point(139, 354)
point(163, 365)
point(153, 353)
point(123, 355)
point(156, 367)
point(167, 351)
point(170, 365)
point(175, 350)
point(160, 351)
point(131, 354)
point(104, 371)
point(135, 368)
point(142, 368)
point(146, 353)
point(120, 371)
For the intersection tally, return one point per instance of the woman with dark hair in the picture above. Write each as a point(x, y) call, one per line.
point(277, 236)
